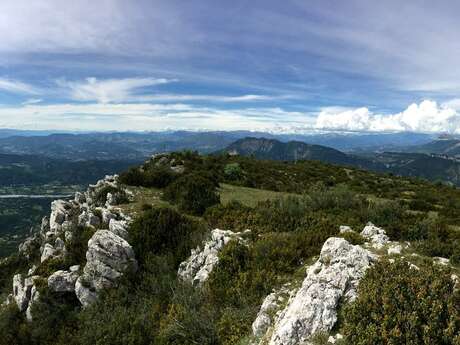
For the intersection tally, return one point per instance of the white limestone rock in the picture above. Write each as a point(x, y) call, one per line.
point(34, 297)
point(199, 265)
point(86, 293)
point(345, 228)
point(119, 227)
point(107, 215)
point(59, 211)
point(375, 235)
point(48, 252)
point(269, 309)
point(333, 339)
point(108, 257)
point(335, 276)
point(62, 281)
point(441, 261)
point(394, 249)
point(80, 198)
point(21, 291)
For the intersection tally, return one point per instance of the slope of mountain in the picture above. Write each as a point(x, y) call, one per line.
point(449, 147)
point(123, 263)
point(430, 167)
point(262, 148)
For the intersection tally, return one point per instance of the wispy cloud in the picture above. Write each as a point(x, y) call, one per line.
point(32, 101)
point(108, 90)
point(15, 86)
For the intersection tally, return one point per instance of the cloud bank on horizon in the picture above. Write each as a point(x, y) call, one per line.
point(291, 66)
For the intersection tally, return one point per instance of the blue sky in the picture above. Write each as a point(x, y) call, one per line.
point(280, 66)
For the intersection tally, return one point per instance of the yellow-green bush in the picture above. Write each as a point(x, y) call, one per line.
point(399, 305)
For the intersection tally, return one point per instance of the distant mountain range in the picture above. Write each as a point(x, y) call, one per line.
point(432, 167)
point(135, 145)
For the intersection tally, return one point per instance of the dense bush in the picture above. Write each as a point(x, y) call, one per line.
point(158, 177)
point(9, 266)
point(233, 171)
point(13, 326)
point(100, 197)
point(398, 305)
point(193, 193)
point(164, 231)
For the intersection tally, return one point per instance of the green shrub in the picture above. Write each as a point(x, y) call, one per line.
point(78, 245)
point(51, 315)
point(10, 266)
point(163, 231)
point(398, 305)
point(192, 193)
point(132, 177)
point(51, 265)
point(233, 171)
point(101, 195)
point(13, 326)
point(188, 320)
point(353, 237)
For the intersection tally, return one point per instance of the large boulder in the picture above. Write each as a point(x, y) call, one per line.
point(199, 265)
point(333, 278)
point(62, 281)
point(108, 257)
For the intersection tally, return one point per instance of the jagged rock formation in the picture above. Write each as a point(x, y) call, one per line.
point(313, 307)
point(198, 266)
point(109, 255)
point(63, 281)
point(270, 309)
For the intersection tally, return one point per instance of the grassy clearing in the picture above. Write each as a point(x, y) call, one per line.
point(142, 196)
point(152, 196)
point(247, 196)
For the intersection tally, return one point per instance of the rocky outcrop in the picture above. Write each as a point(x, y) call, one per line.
point(108, 257)
point(198, 266)
point(270, 309)
point(375, 235)
point(62, 281)
point(313, 308)
point(119, 228)
point(23, 290)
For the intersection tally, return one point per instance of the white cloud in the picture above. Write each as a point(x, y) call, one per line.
point(426, 117)
point(108, 90)
point(146, 116)
point(15, 86)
